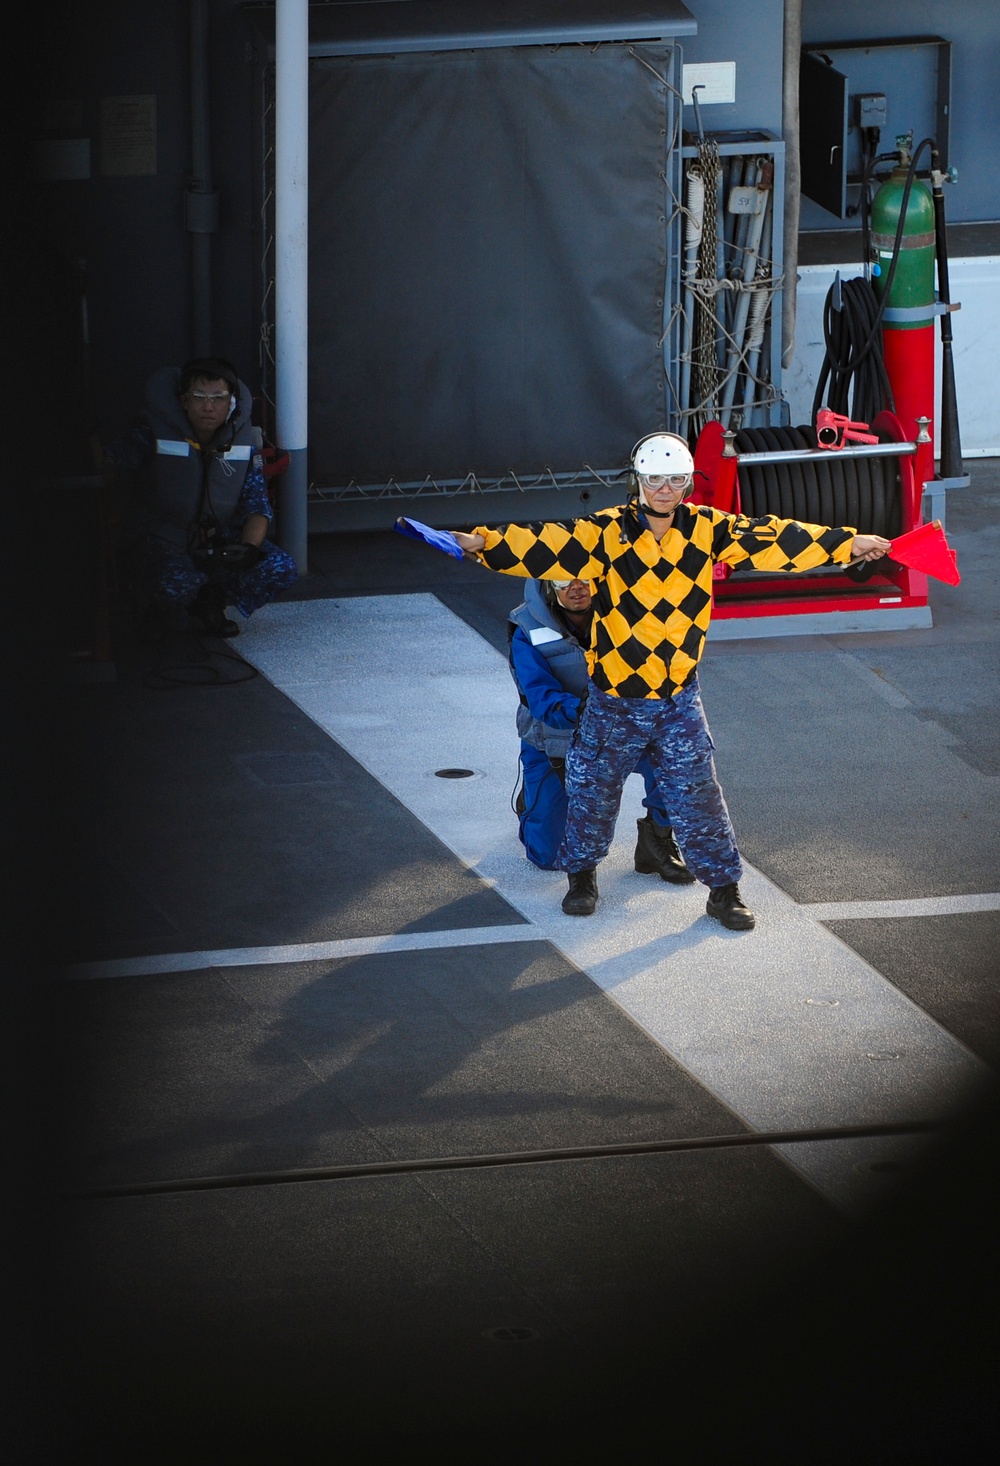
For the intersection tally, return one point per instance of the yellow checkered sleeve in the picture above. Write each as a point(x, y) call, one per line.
point(562, 549)
point(770, 543)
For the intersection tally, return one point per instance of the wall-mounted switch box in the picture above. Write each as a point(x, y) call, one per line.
point(872, 109)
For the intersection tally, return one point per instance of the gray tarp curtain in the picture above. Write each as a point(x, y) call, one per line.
point(487, 261)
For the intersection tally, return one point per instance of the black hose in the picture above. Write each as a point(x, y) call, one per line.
point(813, 514)
point(870, 495)
point(779, 490)
point(911, 173)
point(826, 492)
point(854, 364)
point(864, 492)
point(357, 1170)
point(770, 490)
point(854, 357)
point(201, 666)
point(889, 505)
point(866, 203)
point(861, 492)
point(852, 495)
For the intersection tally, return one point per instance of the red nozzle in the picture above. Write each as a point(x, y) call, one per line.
point(833, 430)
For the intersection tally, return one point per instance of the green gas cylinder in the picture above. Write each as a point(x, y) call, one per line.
point(911, 296)
point(908, 317)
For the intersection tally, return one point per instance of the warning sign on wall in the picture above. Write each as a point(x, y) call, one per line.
point(128, 136)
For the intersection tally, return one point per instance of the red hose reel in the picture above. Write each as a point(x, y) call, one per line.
point(897, 589)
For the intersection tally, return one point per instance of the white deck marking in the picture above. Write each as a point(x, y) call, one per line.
point(922, 906)
point(786, 1024)
point(168, 962)
point(161, 963)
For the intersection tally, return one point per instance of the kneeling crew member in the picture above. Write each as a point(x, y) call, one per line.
point(651, 560)
point(547, 633)
point(201, 510)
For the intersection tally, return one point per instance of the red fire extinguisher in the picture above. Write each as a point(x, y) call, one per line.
point(903, 245)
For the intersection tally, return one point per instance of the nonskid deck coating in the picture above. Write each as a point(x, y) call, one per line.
point(785, 1024)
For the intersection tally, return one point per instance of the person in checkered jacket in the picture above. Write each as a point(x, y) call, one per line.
point(650, 561)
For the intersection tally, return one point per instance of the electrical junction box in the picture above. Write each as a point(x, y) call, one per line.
point(872, 110)
point(847, 89)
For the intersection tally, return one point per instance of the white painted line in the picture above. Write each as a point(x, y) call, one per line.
point(166, 962)
point(786, 1024)
point(920, 906)
point(161, 963)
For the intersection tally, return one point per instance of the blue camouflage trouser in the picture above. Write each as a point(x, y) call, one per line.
point(173, 579)
point(614, 732)
point(542, 824)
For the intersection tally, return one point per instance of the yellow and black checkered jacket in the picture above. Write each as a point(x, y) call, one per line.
point(653, 598)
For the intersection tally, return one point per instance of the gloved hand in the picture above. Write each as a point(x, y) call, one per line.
point(239, 557)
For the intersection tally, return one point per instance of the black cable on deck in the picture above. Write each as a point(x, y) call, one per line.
point(512, 1158)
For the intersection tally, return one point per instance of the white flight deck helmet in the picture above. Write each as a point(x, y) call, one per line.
point(662, 453)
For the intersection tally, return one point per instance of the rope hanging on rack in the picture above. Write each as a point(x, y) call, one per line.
point(704, 350)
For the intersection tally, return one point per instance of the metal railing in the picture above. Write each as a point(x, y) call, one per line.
point(472, 483)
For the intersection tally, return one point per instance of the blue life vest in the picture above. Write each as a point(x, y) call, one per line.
point(566, 660)
point(186, 483)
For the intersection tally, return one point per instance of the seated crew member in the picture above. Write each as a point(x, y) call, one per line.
point(200, 512)
point(547, 635)
point(651, 560)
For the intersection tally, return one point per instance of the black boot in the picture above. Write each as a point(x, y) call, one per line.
point(581, 898)
point(208, 612)
point(656, 853)
point(726, 904)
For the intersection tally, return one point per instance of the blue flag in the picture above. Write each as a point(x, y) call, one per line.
point(440, 539)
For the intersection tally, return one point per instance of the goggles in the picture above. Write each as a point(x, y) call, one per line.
point(665, 480)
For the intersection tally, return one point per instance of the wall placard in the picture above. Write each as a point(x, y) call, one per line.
point(128, 136)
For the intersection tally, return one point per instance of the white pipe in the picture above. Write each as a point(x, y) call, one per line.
point(757, 324)
point(751, 250)
point(291, 238)
point(793, 174)
point(692, 244)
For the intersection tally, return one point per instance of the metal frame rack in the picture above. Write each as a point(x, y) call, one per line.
point(726, 341)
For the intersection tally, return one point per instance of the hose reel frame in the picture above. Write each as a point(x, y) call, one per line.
point(864, 486)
